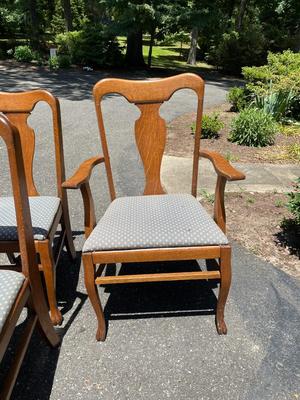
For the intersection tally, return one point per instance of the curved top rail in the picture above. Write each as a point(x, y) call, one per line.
point(156, 91)
point(25, 101)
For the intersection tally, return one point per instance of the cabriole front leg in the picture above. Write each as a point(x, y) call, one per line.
point(92, 291)
point(225, 271)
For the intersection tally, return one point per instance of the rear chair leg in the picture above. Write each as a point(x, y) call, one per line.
point(69, 243)
point(92, 290)
point(48, 266)
point(225, 270)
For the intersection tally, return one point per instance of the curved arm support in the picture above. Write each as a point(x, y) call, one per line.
point(226, 172)
point(83, 173)
point(80, 180)
point(222, 166)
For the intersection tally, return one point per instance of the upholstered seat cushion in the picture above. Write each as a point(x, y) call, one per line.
point(172, 220)
point(10, 285)
point(43, 210)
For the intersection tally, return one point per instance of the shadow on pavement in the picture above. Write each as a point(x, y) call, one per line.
point(159, 299)
point(76, 84)
point(36, 376)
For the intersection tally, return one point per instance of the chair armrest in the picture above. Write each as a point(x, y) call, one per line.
point(83, 173)
point(80, 180)
point(222, 166)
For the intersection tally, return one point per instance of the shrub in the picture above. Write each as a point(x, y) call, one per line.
point(238, 97)
point(53, 63)
point(64, 61)
point(93, 45)
point(236, 50)
point(211, 126)
point(23, 54)
point(294, 201)
point(281, 74)
point(253, 127)
point(278, 104)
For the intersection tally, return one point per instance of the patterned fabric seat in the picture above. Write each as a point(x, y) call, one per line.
point(10, 285)
point(43, 210)
point(171, 220)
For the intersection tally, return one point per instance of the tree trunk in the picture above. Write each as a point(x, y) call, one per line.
point(134, 50)
point(151, 47)
point(34, 24)
point(240, 17)
point(66, 5)
point(193, 49)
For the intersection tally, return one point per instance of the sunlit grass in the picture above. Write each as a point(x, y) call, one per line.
point(168, 57)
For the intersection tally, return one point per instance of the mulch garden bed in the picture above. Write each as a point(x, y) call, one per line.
point(262, 224)
point(180, 141)
point(259, 221)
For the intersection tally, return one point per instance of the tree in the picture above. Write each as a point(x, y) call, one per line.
point(66, 5)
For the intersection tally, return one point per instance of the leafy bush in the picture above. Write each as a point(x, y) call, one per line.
point(235, 50)
point(282, 70)
point(211, 125)
point(278, 104)
point(53, 63)
point(253, 127)
point(238, 97)
point(93, 45)
point(280, 75)
point(23, 54)
point(64, 61)
point(294, 201)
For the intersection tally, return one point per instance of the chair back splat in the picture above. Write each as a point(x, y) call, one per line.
point(150, 128)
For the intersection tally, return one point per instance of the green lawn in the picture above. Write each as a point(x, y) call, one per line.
point(169, 57)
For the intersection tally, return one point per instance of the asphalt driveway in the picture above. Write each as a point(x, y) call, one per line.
point(161, 340)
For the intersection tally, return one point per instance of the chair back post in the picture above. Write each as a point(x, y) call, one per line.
point(18, 107)
point(12, 140)
point(150, 128)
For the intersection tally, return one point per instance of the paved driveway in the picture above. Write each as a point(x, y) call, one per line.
point(161, 339)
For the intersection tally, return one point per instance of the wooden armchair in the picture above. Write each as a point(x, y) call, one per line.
point(18, 289)
point(47, 211)
point(159, 226)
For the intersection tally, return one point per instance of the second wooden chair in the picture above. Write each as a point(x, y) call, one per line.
point(47, 211)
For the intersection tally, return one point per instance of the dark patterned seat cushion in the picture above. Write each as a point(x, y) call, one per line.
point(10, 285)
point(43, 210)
point(172, 220)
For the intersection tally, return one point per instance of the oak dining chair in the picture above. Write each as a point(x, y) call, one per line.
point(47, 211)
point(156, 226)
point(24, 288)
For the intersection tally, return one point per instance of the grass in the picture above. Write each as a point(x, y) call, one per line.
point(168, 57)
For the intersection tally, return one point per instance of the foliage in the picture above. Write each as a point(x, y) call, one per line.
point(290, 130)
point(293, 151)
point(279, 78)
point(93, 46)
point(64, 61)
point(211, 125)
point(237, 49)
point(253, 127)
point(53, 63)
point(294, 201)
point(278, 104)
point(282, 70)
point(238, 97)
point(23, 54)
